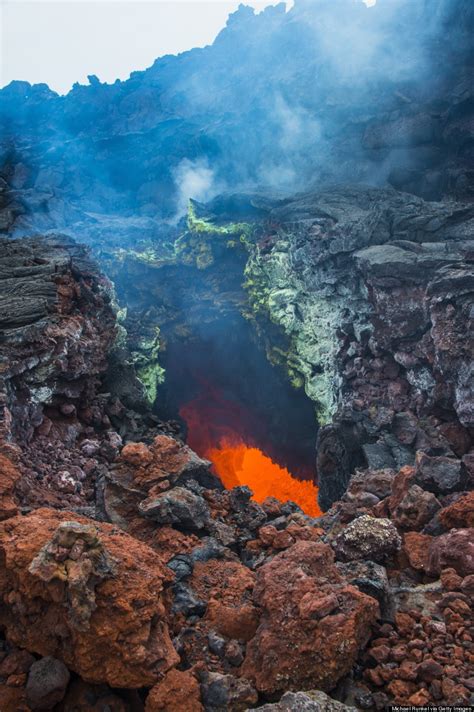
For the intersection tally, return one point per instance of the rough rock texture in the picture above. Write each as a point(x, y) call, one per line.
point(311, 701)
point(125, 642)
point(362, 297)
point(377, 103)
point(313, 623)
point(47, 681)
point(368, 538)
point(343, 312)
point(177, 692)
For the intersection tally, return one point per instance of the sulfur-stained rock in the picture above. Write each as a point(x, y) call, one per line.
point(75, 555)
point(123, 638)
point(367, 538)
point(293, 648)
point(177, 692)
point(47, 682)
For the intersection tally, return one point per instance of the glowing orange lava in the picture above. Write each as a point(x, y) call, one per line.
point(238, 463)
point(243, 465)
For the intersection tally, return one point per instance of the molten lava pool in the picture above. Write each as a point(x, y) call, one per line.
point(237, 463)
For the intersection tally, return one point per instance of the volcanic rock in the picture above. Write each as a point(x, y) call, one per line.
point(460, 514)
point(125, 641)
point(226, 692)
point(292, 648)
point(367, 538)
point(440, 475)
point(416, 509)
point(311, 701)
point(453, 550)
point(177, 692)
point(9, 475)
point(178, 506)
point(48, 679)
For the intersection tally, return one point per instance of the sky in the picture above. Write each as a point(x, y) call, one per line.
point(60, 42)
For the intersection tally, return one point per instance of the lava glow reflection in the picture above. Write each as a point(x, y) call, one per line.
point(238, 463)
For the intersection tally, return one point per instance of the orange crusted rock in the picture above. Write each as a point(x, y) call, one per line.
point(87, 594)
point(299, 645)
point(177, 692)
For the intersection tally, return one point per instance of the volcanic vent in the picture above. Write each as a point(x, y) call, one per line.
point(242, 415)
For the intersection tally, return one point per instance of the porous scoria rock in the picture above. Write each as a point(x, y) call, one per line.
point(166, 458)
point(177, 692)
point(44, 585)
point(455, 549)
point(311, 701)
point(9, 475)
point(460, 514)
point(367, 538)
point(47, 682)
point(228, 587)
point(312, 625)
point(143, 473)
point(178, 506)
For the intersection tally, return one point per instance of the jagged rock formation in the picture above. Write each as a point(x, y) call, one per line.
point(363, 296)
point(318, 94)
point(177, 600)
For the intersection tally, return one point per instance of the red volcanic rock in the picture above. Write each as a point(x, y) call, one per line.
point(228, 587)
point(87, 594)
point(139, 481)
point(9, 475)
point(415, 509)
point(460, 514)
point(453, 550)
point(136, 454)
point(166, 458)
point(450, 580)
point(177, 692)
point(292, 648)
point(417, 548)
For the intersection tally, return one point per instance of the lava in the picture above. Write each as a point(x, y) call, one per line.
point(238, 461)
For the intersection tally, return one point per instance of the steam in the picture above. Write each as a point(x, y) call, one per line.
point(194, 179)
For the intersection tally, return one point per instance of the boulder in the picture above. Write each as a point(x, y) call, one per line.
point(87, 594)
point(440, 475)
point(178, 506)
point(226, 692)
point(415, 509)
point(178, 692)
point(460, 514)
point(48, 679)
point(453, 550)
point(9, 475)
point(311, 701)
point(367, 538)
point(299, 643)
